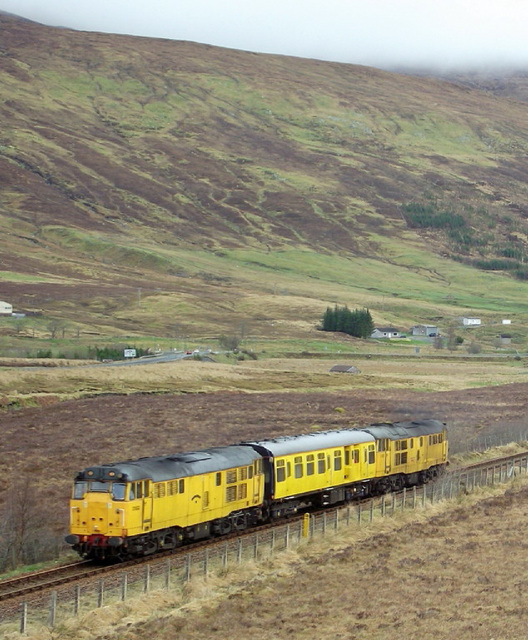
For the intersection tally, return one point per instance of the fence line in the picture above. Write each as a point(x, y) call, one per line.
point(174, 573)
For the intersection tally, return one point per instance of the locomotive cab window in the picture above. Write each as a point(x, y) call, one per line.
point(79, 489)
point(118, 490)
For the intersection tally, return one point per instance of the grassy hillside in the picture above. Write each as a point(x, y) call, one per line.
point(170, 189)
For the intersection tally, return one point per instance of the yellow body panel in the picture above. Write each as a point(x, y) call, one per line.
point(410, 455)
point(311, 471)
point(204, 498)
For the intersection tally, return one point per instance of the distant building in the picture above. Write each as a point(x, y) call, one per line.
point(385, 332)
point(471, 322)
point(427, 330)
point(506, 321)
point(505, 338)
point(6, 309)
point(344, 368)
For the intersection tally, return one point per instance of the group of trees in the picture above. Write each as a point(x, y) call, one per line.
point(356, 323)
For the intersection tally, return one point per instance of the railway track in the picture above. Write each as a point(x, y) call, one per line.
point(15, 590)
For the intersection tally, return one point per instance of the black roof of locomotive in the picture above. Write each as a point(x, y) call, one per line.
point(410, 429)
point(178, 465)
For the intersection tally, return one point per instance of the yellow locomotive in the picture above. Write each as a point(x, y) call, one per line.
point(137, 507)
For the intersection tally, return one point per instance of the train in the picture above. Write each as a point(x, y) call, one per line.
point(138, 507)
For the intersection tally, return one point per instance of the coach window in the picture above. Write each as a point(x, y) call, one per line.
point(355, 456)
point(281, 471)
point(338, 461)
point(321, 466)
point(310, 464)
point(298, 467)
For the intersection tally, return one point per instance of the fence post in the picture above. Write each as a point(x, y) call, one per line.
point(77, 601)
point(206, 563)
point(124, 587)
point(53, 609)
point(239, 550)
point(404, 497)
point(255, 546)
point(100, 595)
point(287, 536)
point(146, 586)
point(383, 505)
point(188, 568)
point(324, 523)
point(224, 557)
point(23, 617)
point(168, 575)
point(414, 497)
point(371, 509)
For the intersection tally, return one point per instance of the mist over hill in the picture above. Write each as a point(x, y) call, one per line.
point(202, 177)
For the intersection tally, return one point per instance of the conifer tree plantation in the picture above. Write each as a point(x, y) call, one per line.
point(357, 323)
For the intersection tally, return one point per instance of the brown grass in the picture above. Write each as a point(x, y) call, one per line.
point(455, 570)
point(36, 385)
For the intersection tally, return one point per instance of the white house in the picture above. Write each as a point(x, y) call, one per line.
point(6, 309)
point(385, 332)
point(471, 322)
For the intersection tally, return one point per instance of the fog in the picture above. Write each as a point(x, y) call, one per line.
point(446, 34)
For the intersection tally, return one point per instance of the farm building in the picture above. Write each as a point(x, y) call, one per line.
point(6, 309)
point(385, 332)
point(344, 368)
point(427, 330)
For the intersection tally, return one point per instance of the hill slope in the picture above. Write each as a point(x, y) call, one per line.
point(211, 180)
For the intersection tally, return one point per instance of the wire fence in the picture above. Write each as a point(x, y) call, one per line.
point(178, 571)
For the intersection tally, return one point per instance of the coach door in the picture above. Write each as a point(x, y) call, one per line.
point(257, 481)
point(384, 456)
